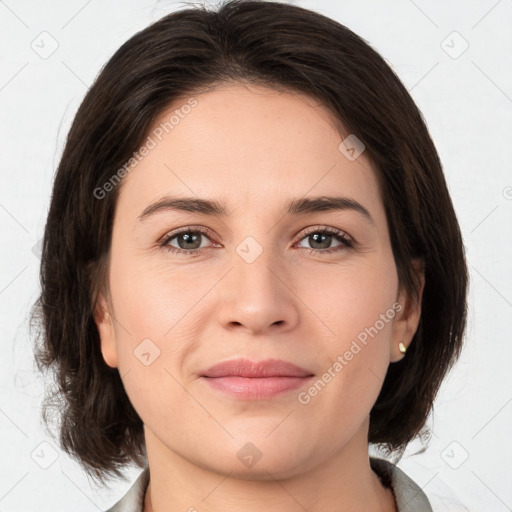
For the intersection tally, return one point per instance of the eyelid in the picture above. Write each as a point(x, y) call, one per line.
point(171, 234)
point(333, 231)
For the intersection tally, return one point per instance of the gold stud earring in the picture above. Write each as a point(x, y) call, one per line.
point(402, 348)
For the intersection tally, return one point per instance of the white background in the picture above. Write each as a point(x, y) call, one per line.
point(467, 103)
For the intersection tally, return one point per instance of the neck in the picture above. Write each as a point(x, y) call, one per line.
point(343, 482)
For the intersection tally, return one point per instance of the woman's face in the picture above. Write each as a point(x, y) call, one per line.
point(260, 283)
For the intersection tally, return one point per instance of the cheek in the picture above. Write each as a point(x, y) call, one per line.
point(354, 307)
point(346, 299)
point(153, 338)
point(156, 331)
point(153, 302)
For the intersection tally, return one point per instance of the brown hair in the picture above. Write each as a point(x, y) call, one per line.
point(282, 47)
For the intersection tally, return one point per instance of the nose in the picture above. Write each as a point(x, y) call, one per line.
point(258, 297)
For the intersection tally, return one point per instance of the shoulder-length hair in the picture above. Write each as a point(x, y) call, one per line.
point(283, 47)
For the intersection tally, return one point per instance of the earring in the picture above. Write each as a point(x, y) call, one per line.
point(402, 348)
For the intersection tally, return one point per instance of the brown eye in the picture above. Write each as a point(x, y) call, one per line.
point(321, 240)
point(187, 241)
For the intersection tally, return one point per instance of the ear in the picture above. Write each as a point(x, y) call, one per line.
point(104, 322)
point(408, 316)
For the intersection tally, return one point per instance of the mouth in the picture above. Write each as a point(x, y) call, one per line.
point(248, 380)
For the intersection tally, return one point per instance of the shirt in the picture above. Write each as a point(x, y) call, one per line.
point(408, 495)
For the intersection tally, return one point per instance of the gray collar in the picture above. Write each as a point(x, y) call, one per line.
point(408, 495)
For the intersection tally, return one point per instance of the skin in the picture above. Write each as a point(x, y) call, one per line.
point(252, 149)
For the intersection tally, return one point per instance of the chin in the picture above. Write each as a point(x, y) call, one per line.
point(250, 460)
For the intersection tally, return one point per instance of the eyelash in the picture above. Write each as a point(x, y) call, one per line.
point(346, 241)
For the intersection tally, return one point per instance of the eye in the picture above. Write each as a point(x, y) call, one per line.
point(188, 241)
point(321, 238)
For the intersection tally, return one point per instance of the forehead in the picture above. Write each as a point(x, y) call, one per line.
point(248, 145)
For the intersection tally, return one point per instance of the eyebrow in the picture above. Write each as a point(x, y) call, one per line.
point(298, 206)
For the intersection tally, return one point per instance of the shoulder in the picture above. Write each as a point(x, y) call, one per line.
point(408, 495)
point(133, 500)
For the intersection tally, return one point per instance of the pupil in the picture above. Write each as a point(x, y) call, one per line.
point(324, 237)
point(190, 239)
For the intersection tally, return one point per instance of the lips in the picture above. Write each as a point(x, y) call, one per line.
point(248, 380)
point(258, 369)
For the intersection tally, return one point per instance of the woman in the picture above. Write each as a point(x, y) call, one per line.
point(252, 269)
